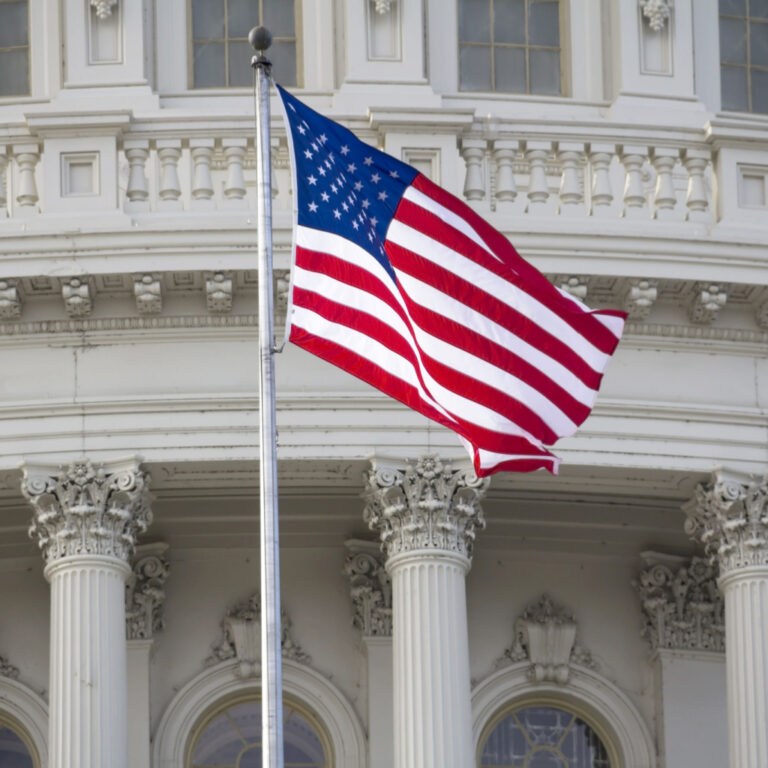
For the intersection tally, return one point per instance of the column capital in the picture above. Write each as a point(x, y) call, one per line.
point(86, 508)
point(425, 505)
point(729, 515)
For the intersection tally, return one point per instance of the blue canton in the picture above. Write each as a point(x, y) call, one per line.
point(344, 186)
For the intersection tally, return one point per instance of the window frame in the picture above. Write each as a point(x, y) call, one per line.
point(26, 94)
point(296, 39)
point(10, 722)
point(748, 66)
point(526, 46)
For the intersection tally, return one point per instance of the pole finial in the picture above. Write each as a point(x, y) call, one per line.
point(260, 38)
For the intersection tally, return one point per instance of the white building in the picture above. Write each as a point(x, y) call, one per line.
point(622, 146)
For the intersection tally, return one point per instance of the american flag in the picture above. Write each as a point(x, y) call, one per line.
point(403, 285)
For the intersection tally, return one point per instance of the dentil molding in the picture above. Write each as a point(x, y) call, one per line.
point(545, 636)
point(426, 505)
point(145, 592)
point(370, 588)
point(241, 638)
point(87, 509)
point(729, 515)
point(683, 607)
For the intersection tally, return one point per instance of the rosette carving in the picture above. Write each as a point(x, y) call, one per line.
point(370, 588)
point(145, 593)
point(87, 509)
point(427, 505)
point(729, 515)
point(683, 607)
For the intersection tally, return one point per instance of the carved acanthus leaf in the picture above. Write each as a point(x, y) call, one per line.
point(7, 669)
point(427, 505)
point(145, 593)
point(683, 607)
point(241, 638)
point(545, 635)
point(370, 588)
point(86, 509)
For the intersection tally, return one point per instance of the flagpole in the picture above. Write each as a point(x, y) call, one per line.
point(271, 660)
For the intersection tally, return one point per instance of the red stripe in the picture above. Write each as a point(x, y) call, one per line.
point(583, 322)
point(487, 304)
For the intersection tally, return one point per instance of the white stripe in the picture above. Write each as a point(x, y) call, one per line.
point(434, 251)
point(490, 459)
point(470, 318)
point(454, 357)
point(612, 323)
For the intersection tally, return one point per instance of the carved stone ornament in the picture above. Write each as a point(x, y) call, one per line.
point(383, 6)
point(148, 293)
point(545, 635)
point(729, 515)
point(639, 297)
point(241, 638)
point(10, 301)
point(103, 8)
point(427, 505)
point(86, 509)
point(656, 12)
point(218, 292)
point(574, 285)
point(7, 669)
point(78, 299)
point(706, 301)
point(370, 588)
point(683, 607)
point(145, 593)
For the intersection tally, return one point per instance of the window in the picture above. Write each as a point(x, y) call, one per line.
point(15, 747)
point(14, 48)
point(744, 55)
point(542, 737)
point(221, 54)
point(230, 737)
point(510, 45)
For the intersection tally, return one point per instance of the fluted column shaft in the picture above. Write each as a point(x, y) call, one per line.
point(426, 516)
point(86, 520)
point(730, 516)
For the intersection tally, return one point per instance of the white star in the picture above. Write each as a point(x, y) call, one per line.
point(351, 199)
point(355, 225)
point(345, 150)
point(326, 197)
point(368, 160)
point(374, 221)
point(291, 107)
point(300, 129)
point(340, 181)
point(331, 157)
point(305, 124)
point(393, 174)
point(370, 237)
point(307, 154)
point(334, 189)
point(351, 167)
point(313, 207)
point(312, 180)
point(345, 207)
point(358, 185)
point(360, 218)
point(328, 165)
point(337, 213)
point(382, 196)
point(323, 138)
point(314, 146)
point(321, 170)
point(375, 178)
point(366, 203)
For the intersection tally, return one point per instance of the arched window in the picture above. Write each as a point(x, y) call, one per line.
point(542, 736)
point(16, 747)
point(229, 736)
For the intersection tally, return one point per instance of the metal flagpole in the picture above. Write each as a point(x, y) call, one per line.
point(271, 660)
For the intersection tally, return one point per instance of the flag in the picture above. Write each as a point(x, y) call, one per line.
point(403, 285)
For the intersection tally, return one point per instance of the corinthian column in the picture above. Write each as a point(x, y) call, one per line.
point(730, 516)
point(86, 519)
point(426, 515)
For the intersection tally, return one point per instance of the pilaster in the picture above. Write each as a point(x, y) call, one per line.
point(426, 515)
point(86, 520)
point(729, 515)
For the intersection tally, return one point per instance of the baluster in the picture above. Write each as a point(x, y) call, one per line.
point(137, 193)
point(505, 151)
point(633, 158)
point(537, 153)
point(696, 162)
point(202, 183)
point(27, 156)
point(234, 191)
point(169, 152)
point(473, 152)
point(600, 156)
point(571, 157)
point(3, 184)
point(664, 199)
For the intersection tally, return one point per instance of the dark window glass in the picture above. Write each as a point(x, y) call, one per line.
point(511, 46)
point(744, 55)
point(13, 751)
point(14, 48)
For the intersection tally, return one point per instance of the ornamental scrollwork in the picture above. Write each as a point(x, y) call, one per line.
point(87, 509)
point(145, 592)
point(427, 505)
point(370, 588)
point(683, 607)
